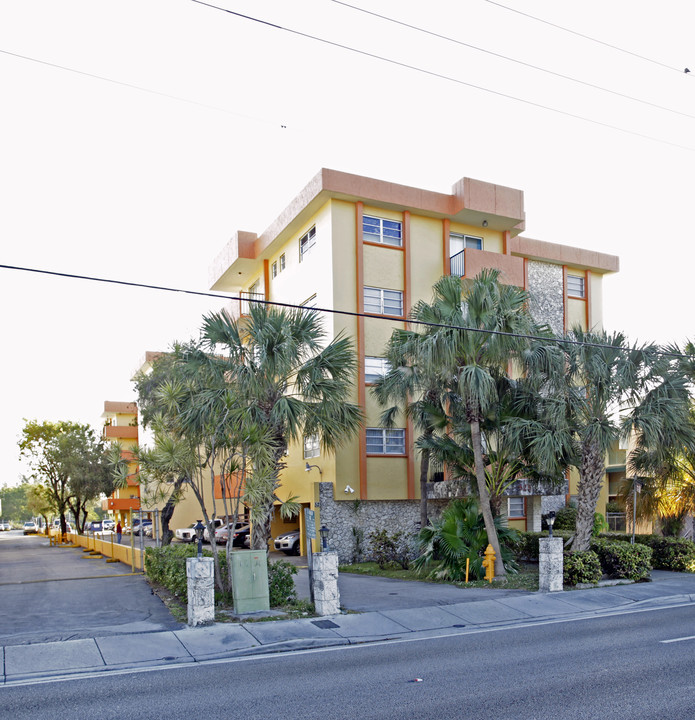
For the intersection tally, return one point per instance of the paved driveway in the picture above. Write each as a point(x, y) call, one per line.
point(58, 593)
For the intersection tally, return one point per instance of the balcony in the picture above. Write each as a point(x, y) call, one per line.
point(239, 307)
point(469, 262)
point(120, 432)
point(120, 504)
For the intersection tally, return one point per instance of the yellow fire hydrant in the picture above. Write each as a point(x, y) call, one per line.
point(489, 563)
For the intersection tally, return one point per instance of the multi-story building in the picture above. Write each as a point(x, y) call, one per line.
point(359, 245)
point(121, 426)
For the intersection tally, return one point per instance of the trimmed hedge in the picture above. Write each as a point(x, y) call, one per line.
point(167, 566)
point(581, 567)
point(669, 553)
point(623, 560)
point(526, 547)
point(566, 518)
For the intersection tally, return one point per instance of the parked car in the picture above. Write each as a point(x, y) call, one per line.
point(5, 525)
point(56, 525)
point(239, 534)
point(216, 523)
point(30, 528)
point(108, 524)
point(95, 526)
point(288, 542)
point(186, 534)
point(138, 526)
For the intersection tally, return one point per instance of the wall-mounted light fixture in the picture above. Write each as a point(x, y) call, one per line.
point(308, 467)
point(484, 223)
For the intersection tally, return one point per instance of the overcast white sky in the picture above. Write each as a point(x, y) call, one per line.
point(138, 135)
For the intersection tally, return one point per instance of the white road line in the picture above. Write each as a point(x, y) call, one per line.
point(680, 639)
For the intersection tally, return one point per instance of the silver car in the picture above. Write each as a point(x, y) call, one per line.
point(288, 542)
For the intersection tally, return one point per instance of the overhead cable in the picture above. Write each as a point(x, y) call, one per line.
point(515, 60)
point(331, 311)
point(441, 76)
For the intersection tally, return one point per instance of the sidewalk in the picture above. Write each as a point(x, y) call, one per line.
point(480, 609)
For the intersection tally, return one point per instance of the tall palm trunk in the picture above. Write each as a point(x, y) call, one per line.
point(424, 472)
point(485, 498)
point(591, 480)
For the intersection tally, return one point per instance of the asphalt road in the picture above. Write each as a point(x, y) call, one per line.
point(52, 594)
point(628, 666)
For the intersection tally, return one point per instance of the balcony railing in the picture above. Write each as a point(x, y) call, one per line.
point(457, 265)
point(616, 522)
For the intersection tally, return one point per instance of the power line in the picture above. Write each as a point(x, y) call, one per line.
point(441, 76)
point(514, 60)
point(136, 87)
point(588, 37)
point(330, 311)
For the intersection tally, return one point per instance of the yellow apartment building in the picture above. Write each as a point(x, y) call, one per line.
point(359, 245)
point(121, 426)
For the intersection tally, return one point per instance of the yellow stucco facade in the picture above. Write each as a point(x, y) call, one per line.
point(421, 236)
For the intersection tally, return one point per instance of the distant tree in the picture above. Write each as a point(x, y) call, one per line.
point(88, 472)
point(67, 459)
point(14, 502)
point(39, 502)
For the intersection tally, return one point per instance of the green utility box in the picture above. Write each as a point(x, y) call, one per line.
point(250, 581)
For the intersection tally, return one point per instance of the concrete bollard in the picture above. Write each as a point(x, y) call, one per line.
point(326, 594)
point(201, 591)
point(550, 564)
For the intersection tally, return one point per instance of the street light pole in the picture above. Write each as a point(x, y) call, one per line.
point(636, 488)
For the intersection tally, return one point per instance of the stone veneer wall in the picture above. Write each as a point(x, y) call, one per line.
point(340, 517)
point(545, 289)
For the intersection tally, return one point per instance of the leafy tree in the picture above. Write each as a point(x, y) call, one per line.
point(88, 471)
point(14, 502)
point(594, 389)
point(66, 458)
point(39, 502)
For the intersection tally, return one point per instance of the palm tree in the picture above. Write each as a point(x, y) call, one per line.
point(415, 388)
point(475, 333)
point(595, 389)
point(275, 368)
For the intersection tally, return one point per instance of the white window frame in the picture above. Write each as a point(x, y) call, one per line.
point(468, 241)
point(382, 231)
point(282, 262)
point(274, 270)
point(374, 368)
point(306, 242)
point(380, 301)
point(510, 513)
point(312, 446)
point(385, 441)
point(576, 286)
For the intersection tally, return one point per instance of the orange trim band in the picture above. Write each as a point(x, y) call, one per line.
point(446, 243)
point(361, 387)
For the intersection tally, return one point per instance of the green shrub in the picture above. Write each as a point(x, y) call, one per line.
point(676, 554)
point(167, 566)
point(566, 519)
point(458, 536)
point(623, 560)
point(581, 567)
point(386, 549)
point(281, 583)
point(526, 546)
